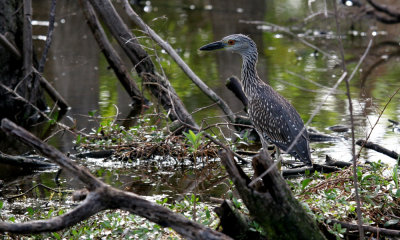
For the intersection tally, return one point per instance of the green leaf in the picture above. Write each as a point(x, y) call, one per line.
point(78, 139)
point(391, 222)
point(56, 235)
point(91, 113)
point(396, 175)
point(208, 214)
point(398, 193)
point(305, 182)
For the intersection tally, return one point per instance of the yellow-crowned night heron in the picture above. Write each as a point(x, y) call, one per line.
point(273, 117)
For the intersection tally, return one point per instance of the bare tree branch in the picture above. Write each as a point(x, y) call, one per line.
point(378, 148)
point(111, 55)
point(186, 69)
point(49, 36)
point(353, 149)
point(376, 230)
point(100, 197)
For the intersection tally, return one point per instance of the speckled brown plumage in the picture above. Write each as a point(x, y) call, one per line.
point(274, 118)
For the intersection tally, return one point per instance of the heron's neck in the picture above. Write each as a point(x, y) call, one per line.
point(249, 77)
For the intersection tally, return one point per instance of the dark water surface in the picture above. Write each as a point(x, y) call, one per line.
point(303, 75)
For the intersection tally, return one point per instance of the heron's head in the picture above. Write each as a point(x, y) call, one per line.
point(238, 43)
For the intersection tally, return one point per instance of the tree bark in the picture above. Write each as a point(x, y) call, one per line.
point(271, 202)
point(13, 73)
point(111, 55)
point(185, 68)
point(99, 197)
point(158, 85)
point(378, 148)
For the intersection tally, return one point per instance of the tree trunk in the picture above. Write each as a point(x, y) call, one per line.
point(270, 201)
point(12, 71)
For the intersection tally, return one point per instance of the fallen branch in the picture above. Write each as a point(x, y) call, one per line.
point(99, 197)
point(142, 63)
point(186, 69)
point(24, 162)
point(235, 224)
point(316, 167)
point(378, 148)
point(271, 193)
point(376, 230)
point(341, 164)
point(111, 55)
point(385, 9)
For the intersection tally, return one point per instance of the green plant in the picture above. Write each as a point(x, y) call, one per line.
point(338, 231)
point(194, 140)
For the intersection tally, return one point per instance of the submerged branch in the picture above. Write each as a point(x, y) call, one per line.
point(378, 148)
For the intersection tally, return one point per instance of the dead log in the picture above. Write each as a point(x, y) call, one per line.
point(376, 230)
point(378, 148)
point(335, 163)
point(96, 154)
point(111, 55)
point(316, 167)
point(235, 224)
point(271, 202)
point(99, 197)
point(393, 122)
point(316, 136)
point(339, 128)
point(158, 85)
point(24, 162)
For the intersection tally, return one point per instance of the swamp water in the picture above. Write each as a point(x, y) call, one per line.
point(303, 75)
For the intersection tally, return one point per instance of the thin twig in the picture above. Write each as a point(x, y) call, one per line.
point(63, 126)
point(30, 189)
point(377, 120)
point(353, 149)
point(287, 31)
point(313, 82)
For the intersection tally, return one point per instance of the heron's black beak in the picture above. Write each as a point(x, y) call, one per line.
point(213, 46)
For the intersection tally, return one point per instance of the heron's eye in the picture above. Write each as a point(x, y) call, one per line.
point(231, 42)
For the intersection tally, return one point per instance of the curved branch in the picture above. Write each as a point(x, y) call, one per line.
point(162, 216)
point(100, 197)
point(88, 208)
point(52, 153)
